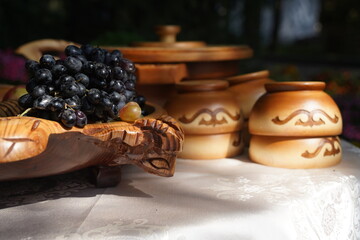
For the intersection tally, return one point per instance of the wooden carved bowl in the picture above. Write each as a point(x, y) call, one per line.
point(211, 118)
point(295, 109)
point(249, 88)
point(295, 152)
point(33, 147)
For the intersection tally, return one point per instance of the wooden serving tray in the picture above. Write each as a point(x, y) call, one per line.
point(33, 147)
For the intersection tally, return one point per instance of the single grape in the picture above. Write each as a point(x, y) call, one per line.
point(118, 73)
point(130, 85)
point(88, 67)
point(82, 89)
point(47, 61)
point(31, 67)
point(127, 65)
point(86, 106)
point(106, 103)
point(132, 77)
point(66, 79)
point(94, 95)
point(113, 112)
point(74, 102)
point(97, 55)
point(140, 100)
point(68, 118)
point(120, 105)
point(31, 85)
point(86, 49)
point(72, 50)
point(42, 102)
point(129, 95)
point(26, 101)
point(82, 78)
point(99, 112)
point(69, 89)
point(39, 91)
point(130, 112)
point(43, 76)
point(107, 60)
point(73, 64)
point(98, 83)
point(117, 86)
point(58, 70)
point(117, 97)
point(57, 104)
point(50, 89)
point(82, 58)
point(101, 72)
point(81, 119)
point(104, 94)
point(116, 53)
point(125, 77)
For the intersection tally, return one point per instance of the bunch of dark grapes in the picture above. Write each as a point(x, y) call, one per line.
point(90, 85)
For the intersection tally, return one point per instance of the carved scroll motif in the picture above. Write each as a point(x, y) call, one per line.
point(213, 120)
point(310, 118)
point(332, 152)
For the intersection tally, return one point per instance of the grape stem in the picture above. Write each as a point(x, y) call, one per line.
point(69, 106)
point(24, 112)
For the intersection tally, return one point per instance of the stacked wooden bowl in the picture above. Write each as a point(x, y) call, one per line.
point(211, 118)
point(295, 125)
point(248, 88)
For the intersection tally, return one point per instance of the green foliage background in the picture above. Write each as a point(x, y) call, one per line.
point(119, 22)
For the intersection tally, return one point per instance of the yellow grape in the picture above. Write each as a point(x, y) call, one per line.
point(130, 112)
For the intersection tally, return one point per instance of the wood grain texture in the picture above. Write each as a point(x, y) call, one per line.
point(179, 55)
point(33, 147)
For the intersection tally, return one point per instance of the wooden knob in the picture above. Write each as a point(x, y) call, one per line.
point(167, 33)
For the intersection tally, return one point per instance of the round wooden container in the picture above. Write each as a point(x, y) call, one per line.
point(295, 152)
point(295, 109)
point(248, 88)
point(167, 62)
point(295, 125)
point(211, 118)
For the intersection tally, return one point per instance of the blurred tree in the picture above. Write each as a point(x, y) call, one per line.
point(340, 26)
point(22, 21)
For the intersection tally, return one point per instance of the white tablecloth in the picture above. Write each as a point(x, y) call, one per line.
point(209, 199)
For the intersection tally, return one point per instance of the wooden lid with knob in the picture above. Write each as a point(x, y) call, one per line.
point(167, 36)
point(168, 50)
